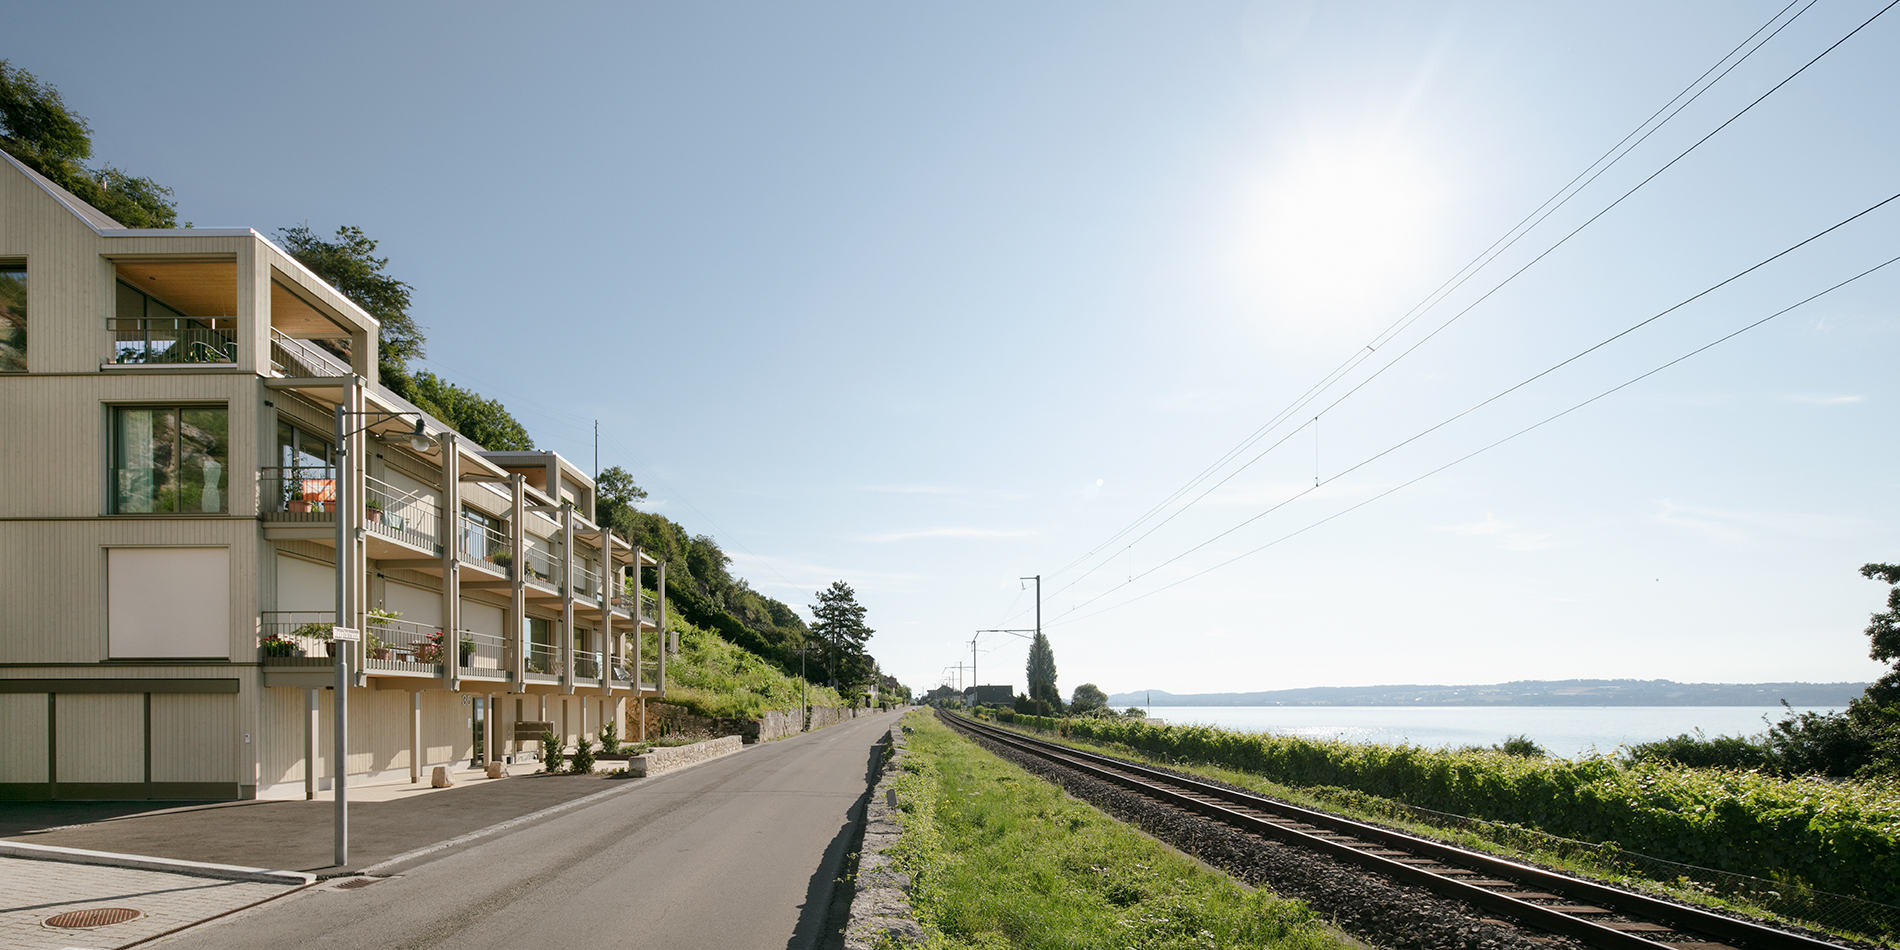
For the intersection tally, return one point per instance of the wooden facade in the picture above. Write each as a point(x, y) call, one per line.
point(130, 657)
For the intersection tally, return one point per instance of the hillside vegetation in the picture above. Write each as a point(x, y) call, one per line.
point(711, 676)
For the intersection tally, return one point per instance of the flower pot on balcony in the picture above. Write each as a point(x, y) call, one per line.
point(297, 506)
point(375, 515)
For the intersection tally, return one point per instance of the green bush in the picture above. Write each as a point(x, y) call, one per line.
point(583, 760)
point(710, 676)
point(1699, 751)
point(551, 753)
point(1842, 837)
point(610, 738)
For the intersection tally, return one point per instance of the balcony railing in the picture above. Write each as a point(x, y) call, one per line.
point(545, 659)
point(303, 358)
point(586, 665)
point(174, 340)
point(407, 516)
point(479, 542)
point(649, 608)
point(586, 581)
point(301, 489)
point(543, 564)
point(293, 633)
point(483, 653)
point(388, 641)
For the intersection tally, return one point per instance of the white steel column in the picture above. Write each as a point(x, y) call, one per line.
point(567, 598)
point(310, 723)
point(415, 736)
point(660, 622)
point(517, 568)
point(451, 537)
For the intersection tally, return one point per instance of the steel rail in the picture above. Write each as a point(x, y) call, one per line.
point(1283, 822)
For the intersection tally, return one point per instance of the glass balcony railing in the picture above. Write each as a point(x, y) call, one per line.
point(408, 516)
point(545, 659)
point(586, 665)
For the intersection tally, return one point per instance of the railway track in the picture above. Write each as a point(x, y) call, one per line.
point(1592, 914)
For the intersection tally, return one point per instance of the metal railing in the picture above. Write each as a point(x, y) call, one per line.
point(407, 516)
point(401, 641)
point(483, 652)
point(479, 542)
point(586, 581)
point(586, 665)
point(650, 672)
point(174, 340)
point(543, 564)
point(649, 608)
point(545, 659)
point(618, 669)
point(293, 633)
point(303, 358)
point(300, 489)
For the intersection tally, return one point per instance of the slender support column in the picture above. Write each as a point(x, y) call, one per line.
point(639, 629)
point(661, 621)
point(517, 593)
point(451, 535)
point(568, 636)
point(340, 706)
point(310, 722)
point(488, 728)
point(609, 582)
point(415, 736)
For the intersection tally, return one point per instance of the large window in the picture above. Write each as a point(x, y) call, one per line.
point(171, 459)
point(145, 329)
point(12, 318)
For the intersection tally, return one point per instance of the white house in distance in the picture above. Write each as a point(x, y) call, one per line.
point(168, 530)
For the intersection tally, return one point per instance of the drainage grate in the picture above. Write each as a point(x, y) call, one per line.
point(92, 917)
point(356, 883)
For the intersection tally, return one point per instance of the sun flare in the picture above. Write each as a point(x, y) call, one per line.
point(1336, 234)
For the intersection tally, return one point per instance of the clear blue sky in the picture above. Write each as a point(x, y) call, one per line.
point(927, 297)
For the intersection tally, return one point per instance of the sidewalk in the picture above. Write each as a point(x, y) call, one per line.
point(385, 821)
point(32, 891)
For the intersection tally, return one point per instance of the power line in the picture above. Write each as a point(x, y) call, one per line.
point(1483, 259)
point(1517, 386)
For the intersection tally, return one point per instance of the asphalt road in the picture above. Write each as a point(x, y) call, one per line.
point(738, 852)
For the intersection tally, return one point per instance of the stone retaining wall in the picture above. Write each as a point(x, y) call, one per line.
point(666, 719)
point(668, 758)
point(881, 905)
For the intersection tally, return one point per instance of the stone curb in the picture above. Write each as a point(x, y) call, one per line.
point(881, 906)
point(137, 862)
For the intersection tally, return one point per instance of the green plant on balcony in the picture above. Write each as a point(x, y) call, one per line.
point(277, 644)
point(294, 500)
point(315, 631)
point(373, 509)
point(431, 652)
point(501, 559)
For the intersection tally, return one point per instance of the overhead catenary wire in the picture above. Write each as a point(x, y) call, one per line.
point(1486, 448)
point(1458, 279)
point(1514, 387)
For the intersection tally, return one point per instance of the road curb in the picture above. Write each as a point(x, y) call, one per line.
point(880, 908)
point(139, 862)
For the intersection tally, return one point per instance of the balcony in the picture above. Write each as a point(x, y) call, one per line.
point(483, 656)
point(542, 566)
point(175, 340)
point(544, 663)
point(587, 665)
point(407, 517)
point(295, 637)
point(298, 492)
point(394, 645)
point(303, 359)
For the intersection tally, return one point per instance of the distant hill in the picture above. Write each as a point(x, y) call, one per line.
point(1522, 693)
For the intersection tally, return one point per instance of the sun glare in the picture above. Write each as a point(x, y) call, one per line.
point(1337, 235)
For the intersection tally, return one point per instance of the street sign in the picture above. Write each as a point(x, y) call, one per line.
point(346, 634)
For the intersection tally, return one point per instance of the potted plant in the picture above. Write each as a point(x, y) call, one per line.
point(319, 632)
point(379, 619)
point(373, 510)
point(501, 559)
point(277, 644)
point(294, 500)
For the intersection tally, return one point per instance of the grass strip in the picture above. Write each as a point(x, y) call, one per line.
point(999, 858)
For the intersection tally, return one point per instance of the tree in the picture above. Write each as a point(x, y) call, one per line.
point(468, 412)
point(38, 129)
point(1042, 675)
point(350, 264)
point(1864, 739)
point(1087, 697)
point(838, 623)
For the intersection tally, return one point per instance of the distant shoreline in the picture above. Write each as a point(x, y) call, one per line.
point(1526, 693)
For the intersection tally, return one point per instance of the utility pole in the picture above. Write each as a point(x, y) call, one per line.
point(1038, 640)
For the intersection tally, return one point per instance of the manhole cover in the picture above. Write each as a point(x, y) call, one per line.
point(92, 917)
point(358, 882)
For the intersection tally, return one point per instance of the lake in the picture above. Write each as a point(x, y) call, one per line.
point(1568, 731)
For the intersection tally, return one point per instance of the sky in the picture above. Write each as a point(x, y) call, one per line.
point(933, 297)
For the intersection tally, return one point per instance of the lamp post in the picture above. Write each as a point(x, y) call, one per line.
point(346, 581)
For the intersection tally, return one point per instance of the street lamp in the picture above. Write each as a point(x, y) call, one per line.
point(420, 441)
